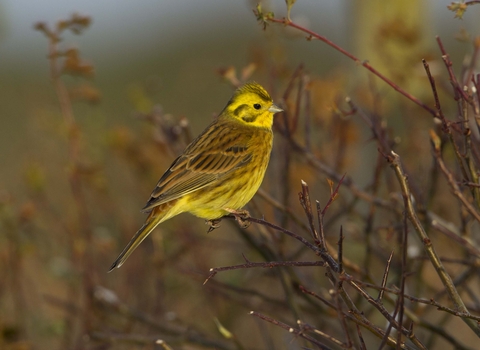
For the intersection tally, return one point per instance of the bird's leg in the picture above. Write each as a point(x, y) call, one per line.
point(241, 216)
point(214, 223)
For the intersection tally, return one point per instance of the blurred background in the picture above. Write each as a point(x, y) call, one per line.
point(177, 47)
point(161, 71)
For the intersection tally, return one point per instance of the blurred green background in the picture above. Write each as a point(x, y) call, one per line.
point(168, 53)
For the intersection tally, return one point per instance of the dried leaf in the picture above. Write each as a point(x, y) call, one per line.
point(248, 71)
point(230, 74)
point(223, 331)
point(459, 8)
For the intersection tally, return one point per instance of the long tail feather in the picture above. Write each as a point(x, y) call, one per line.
point(152, 221)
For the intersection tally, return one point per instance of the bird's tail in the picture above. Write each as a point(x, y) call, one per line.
point(155, 217)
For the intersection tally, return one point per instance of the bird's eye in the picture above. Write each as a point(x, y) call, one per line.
point(257, 106)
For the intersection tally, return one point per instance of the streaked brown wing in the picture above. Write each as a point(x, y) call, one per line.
point(216, 152)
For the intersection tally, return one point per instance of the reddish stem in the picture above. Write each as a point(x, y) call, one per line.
point(354, 58)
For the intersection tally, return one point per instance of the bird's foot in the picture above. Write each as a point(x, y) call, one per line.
point(213, 224)
point(241, 216)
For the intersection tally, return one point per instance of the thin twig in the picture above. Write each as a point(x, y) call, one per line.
point(307, 327)
point(365, 64)
point(327, 258)
point(400, 304)
point(290, 329)
point(269, 264)
point(451, 180)
point(357, 317)
point(458, 90)
point(394, 160)
point(385, 277)
point(304, 198)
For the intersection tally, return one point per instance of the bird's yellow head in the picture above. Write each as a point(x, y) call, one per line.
point(252, 105)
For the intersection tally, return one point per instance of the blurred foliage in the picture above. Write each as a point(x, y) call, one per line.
point(86, 180)
point(460, 7)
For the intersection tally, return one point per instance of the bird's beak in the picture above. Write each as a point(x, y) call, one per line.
point(275, 109)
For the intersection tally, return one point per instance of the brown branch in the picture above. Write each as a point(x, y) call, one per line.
point(365, 64)
point(81, 258)
point(305, 327)
point(279, 228)
point(304, 198)
point(269, 264)
point(385, 277)
point(451, 180)
point(394, 160)
point(383, 311)
point(431, 301)
point(347, 262)
point(431, 79)
point(359, 318)
point(400, 304)
point(104, 298)
point(132, 339)
point(290, 329)
point(362, 342)
point(458, 90)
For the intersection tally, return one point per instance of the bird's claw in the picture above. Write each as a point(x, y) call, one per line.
point(213, 224)
point(242, 221)
point(241, 216)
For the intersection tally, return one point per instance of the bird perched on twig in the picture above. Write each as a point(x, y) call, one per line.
point(220, 171)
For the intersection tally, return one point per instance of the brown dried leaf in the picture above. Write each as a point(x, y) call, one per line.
point(230, 74)
point(459, 8)
point(86, 92)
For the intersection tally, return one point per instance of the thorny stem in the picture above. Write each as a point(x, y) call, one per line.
point(318, 251)
point(384, 312)
point(327, 247)
point(394, 160)
point(400, 304)
point(290, 329)
point(455, 235)
point(305, 327)
point(421, 301)
point(451, 180)
point(304, 198)
point(340, 291)
point(81, 238)
point(416, 320)
point(356, 316)
point(123, 310)
point(365, 64)
point(458, 90)
point(269, 264)
point(385, 277)
point(439, 113)
point(468, 153)
point(446, 125)
point(307, 207)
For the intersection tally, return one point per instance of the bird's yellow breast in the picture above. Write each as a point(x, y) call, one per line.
point(236, 188)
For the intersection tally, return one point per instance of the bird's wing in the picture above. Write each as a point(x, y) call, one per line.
point(216, 152)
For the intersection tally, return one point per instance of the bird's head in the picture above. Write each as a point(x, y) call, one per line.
point(252, 105)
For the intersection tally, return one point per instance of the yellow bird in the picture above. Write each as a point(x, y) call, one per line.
point(220, 171)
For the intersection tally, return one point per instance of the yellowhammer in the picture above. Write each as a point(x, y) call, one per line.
point(220, 171)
